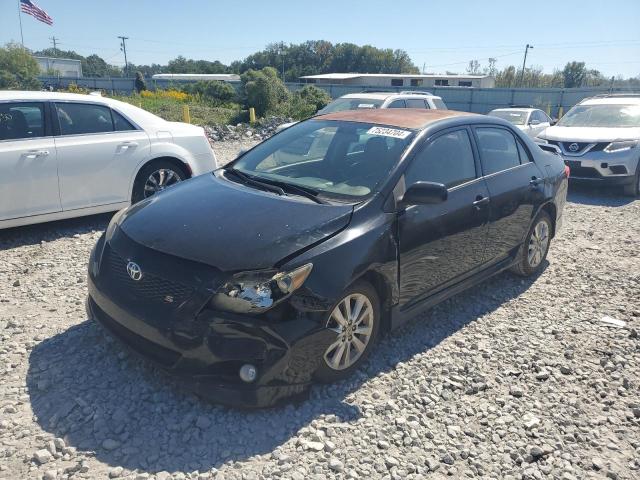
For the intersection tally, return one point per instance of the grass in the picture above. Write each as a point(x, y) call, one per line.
point(202, 111)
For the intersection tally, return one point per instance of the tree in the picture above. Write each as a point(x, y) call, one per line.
point(140, 84)
point(263, 90)
point(473, 68)
point(491, 70)
point(18, 69)
point(574, 74)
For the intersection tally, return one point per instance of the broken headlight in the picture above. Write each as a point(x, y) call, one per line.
point(256, 292)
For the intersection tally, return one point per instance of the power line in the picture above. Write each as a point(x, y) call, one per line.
point(54, 40)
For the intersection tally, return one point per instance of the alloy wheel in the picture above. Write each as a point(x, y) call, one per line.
point(159, 180)
point(352, 321)
point(538, 243)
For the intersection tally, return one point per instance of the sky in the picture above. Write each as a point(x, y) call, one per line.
point(439, 35)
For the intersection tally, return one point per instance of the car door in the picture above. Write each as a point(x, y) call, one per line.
point(98, 150)
point(515, 185)
point(440, 243)
point(28, 161)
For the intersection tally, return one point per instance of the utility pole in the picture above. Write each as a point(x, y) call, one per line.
point(123, 47)
point(524, 63)
point(54, 40)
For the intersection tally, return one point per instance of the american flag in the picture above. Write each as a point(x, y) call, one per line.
point(30, 8)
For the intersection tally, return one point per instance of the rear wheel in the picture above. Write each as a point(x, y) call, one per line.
point(535, 247)
point(355, 320)
point(633, 189)
point(156, 177)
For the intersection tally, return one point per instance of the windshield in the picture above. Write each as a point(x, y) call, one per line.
point(342, 104)
point(613, 116)
point(515, 117)
point(330, 157)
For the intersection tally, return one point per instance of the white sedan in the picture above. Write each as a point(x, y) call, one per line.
point(531, 121)
point(66, 155)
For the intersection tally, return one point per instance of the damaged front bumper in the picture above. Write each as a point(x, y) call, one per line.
point(206, 350)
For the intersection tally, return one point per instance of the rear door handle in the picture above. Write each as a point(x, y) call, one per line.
point(481, 202)
point(534, 182)
point(31, 154)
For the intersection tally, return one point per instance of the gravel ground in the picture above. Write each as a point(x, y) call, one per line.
point(514, 379)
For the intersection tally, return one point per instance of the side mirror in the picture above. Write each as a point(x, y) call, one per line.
point(553, 121)
point(424, 193)
point(534, 122)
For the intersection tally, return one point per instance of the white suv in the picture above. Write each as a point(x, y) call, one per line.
point(599, 139)
point(364, 100)
point(410, 99)
point(66, 155)
point(531, 121)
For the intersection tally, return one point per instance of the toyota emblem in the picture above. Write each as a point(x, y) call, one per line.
point(134, 271)
point(574, 147)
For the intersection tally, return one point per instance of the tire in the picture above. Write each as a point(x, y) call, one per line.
point(369, 312)
point(528, 264)
point(172, 174)
point(633, 189)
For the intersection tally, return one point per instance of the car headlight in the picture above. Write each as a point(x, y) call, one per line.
point(256, 292)
point(620, 146)
point(115, 221)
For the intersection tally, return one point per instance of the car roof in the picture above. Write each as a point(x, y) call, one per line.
point(37, 95)
point(410, 118)
point(617, 100)
point(384, 95)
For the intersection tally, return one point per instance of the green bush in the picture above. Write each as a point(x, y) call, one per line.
point(314, 96)
point(263, 90)
point(304, 103)
point(215, 90)
point(18, 69)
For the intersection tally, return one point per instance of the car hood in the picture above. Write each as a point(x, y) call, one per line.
point(232, 227)
point(589, 134)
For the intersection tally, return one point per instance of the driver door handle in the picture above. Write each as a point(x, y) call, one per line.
point(481, 202)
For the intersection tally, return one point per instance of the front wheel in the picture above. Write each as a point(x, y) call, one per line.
point(534, 250)
point(355, 320)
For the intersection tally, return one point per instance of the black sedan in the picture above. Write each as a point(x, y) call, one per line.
point(284, 267)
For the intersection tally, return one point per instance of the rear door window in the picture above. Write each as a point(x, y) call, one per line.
point(397, 104)
point(21, 120)
point(416, 103)
point(498, 149)
point(83, 118)
point(120, 123)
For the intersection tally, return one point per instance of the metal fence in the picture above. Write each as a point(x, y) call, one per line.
point(555, 101)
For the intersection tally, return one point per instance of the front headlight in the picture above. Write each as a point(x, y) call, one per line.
point(256, 292)
point(620, 146)
point(115, 221)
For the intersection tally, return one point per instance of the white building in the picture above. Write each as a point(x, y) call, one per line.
point(61, 67)
point(401, 80)
point(224, 77)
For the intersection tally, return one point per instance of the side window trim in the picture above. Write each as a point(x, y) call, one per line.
point(45, 121)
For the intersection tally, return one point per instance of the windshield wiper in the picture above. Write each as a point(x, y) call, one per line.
point(307, 192)
point(249, 180)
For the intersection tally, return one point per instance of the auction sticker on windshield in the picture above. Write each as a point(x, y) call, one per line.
point(388, 132)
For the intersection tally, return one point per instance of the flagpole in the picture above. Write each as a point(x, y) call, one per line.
point(20, 18)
